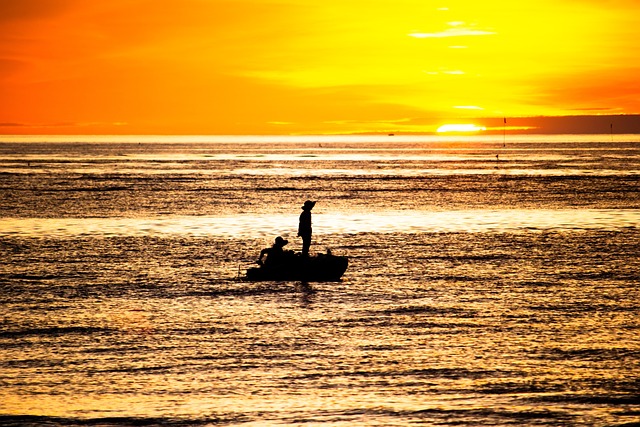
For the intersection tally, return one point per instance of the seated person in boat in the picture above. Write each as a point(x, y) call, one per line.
point(275, 254)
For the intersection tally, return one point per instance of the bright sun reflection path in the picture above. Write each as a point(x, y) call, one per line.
point(461, 128)
point(260, 225)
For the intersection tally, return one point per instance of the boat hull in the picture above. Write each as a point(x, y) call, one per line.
point(319, 268)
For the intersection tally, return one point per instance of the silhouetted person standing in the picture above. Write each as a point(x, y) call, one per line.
point(304, 229)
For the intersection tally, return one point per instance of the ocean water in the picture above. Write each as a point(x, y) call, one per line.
point(492, 281)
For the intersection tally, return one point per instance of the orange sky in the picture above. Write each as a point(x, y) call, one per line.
point(299, 66)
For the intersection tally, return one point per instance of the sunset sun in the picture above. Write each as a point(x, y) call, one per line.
point(460, 128)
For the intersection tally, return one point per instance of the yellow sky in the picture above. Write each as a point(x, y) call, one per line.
point(298, 66)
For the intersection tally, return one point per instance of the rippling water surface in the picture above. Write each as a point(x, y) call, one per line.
point(488, 284)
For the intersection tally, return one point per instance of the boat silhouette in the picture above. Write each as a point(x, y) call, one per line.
point(296, 267)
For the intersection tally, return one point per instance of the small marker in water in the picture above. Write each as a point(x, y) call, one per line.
point(611, 131)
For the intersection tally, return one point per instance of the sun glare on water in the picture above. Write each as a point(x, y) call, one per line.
point(461, 128)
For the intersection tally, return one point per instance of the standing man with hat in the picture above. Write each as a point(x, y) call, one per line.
point(304, 229)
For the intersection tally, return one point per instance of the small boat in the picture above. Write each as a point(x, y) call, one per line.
point(317, 268)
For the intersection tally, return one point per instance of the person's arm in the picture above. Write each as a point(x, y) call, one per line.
point(262, 253)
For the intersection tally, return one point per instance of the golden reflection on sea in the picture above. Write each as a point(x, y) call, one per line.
point(265, 225)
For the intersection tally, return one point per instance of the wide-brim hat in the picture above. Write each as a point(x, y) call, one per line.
point(281, 241)
point(308, 204)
